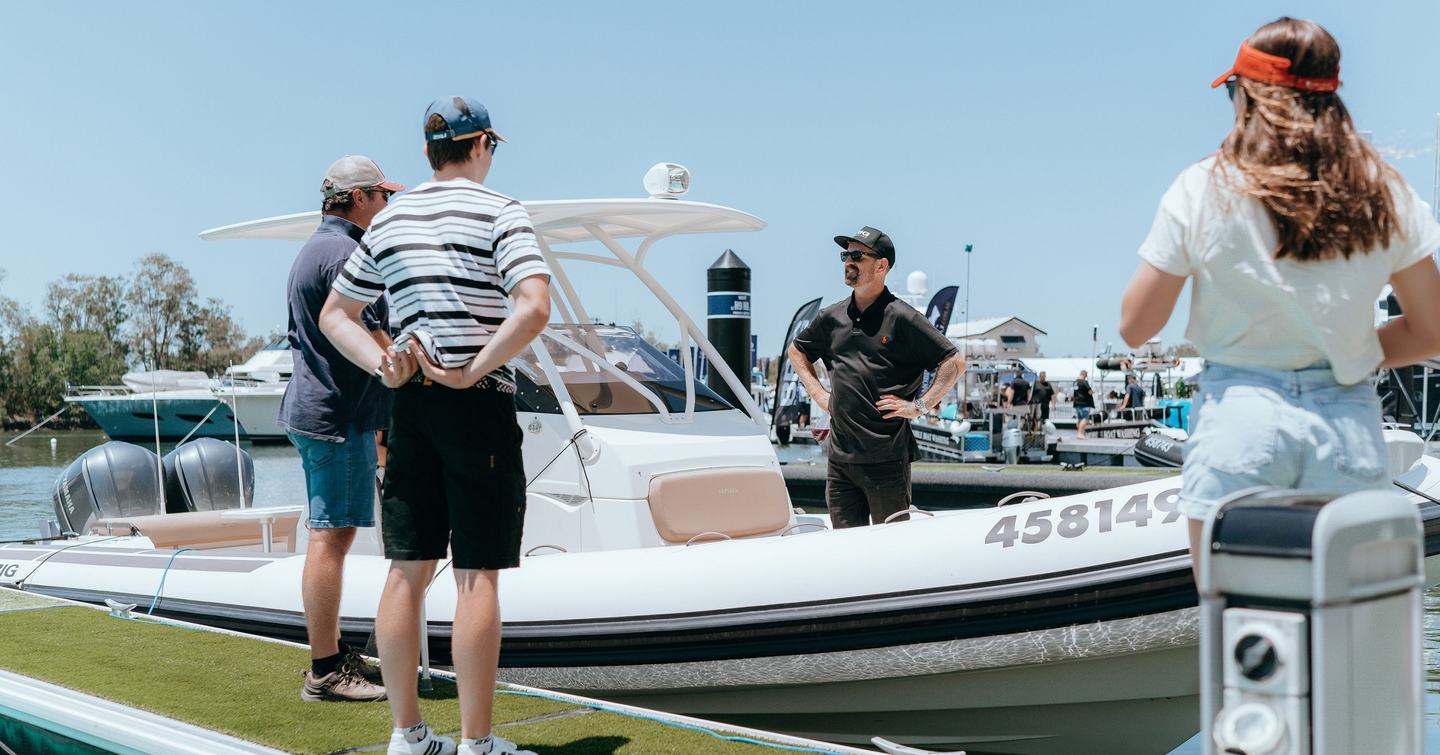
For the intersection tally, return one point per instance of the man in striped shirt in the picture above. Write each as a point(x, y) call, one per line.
point(448, 252)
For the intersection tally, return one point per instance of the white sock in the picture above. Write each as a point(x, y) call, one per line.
point(481, 745)
point(413, 734)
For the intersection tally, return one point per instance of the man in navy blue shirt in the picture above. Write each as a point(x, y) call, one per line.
point(331, 411)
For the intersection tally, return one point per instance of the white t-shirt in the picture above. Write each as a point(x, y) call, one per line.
point(1248, 309)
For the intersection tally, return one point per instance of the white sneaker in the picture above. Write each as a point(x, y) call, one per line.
point(498, 746)
point(430, 744)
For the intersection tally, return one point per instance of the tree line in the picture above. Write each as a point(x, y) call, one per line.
point(92, 329)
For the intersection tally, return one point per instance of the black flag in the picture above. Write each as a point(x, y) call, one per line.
point(788, 390)
point(938, 313)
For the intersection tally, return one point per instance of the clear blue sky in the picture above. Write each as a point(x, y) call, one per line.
point(1043, 133)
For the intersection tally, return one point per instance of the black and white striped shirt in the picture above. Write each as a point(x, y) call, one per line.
point(448, 253)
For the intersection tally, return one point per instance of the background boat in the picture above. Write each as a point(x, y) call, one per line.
point(180, 405)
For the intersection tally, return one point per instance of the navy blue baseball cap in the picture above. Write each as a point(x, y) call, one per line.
point(465, 117)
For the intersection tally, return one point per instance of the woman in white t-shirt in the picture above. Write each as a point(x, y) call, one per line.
point(1289, 232)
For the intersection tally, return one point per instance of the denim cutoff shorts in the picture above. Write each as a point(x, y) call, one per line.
point(1294, 429)
point(1082, 413)
point(339, 479)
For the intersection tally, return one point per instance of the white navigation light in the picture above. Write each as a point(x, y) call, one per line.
point(667, 181)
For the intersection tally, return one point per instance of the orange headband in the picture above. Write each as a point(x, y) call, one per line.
point(1273, 69)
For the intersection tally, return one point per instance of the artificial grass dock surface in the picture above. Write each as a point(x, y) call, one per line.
point(251, 689)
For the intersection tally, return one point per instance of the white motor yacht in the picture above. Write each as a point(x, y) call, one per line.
point(176, 405)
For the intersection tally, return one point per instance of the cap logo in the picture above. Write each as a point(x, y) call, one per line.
point(863, 234)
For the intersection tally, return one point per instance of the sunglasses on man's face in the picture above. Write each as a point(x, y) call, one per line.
point(385, 194)
point(855, 255)
point(1230, 88)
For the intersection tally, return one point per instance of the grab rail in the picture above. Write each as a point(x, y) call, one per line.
point(791, 529)
point(703, 534)
point(910, 510)
point(1034, 495)
point(559, 548)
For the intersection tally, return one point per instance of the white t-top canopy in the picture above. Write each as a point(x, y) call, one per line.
point(567, 221)
point(558, 221)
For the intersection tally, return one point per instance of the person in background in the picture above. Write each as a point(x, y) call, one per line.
point(1083, 399)
point(1042, 395)
point(1017, 391)
point(331, 411)
point(1288, 233)
point(1134, 395)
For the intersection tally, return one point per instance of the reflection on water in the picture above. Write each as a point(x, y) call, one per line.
point(29, 468)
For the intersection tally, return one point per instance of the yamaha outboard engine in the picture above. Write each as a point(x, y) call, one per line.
point(206, 475)
point(1160, 450)
point(111, 480)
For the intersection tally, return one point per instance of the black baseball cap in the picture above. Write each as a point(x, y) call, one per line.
point(873, 238)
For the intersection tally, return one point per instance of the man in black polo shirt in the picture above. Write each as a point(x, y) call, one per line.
point(1017, 393)
point(1042, 394)
point(876, 348)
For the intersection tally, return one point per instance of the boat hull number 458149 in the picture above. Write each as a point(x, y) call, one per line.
point(1077, 519)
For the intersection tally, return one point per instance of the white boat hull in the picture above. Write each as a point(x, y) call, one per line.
point(1061, 625)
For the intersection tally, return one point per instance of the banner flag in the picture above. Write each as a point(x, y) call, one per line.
point(789, 393)
point(942, 305)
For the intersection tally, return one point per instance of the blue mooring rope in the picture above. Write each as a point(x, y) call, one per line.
point(156, 600)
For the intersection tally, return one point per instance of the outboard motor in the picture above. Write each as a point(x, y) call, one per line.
point(111, 480)
point(204, 475)
point(1160, 450)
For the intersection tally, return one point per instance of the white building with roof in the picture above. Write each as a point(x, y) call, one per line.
point(1013, 336)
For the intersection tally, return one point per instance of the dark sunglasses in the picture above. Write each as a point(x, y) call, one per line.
point(852, 255)
point(491, 142)
point(385, 194)
point(1230, 88)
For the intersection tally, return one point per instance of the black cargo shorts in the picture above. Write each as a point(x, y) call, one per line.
point(454, 477)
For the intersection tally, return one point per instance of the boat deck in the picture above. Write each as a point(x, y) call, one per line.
point(151, 686)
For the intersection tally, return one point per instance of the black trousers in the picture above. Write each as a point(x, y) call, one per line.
point(861, 494)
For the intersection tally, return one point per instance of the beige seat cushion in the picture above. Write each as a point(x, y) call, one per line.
point(738, 502)
point(202, 529)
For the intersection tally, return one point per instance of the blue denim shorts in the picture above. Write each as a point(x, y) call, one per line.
point(339, 479)
point(1082, 413)
point(1294, 429)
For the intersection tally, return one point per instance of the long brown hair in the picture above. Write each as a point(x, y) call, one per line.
point(1326, 188)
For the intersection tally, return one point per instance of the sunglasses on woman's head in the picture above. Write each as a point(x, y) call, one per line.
point(854, 255)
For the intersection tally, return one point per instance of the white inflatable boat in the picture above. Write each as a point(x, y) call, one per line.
point(665, 566)
point(1059, 625)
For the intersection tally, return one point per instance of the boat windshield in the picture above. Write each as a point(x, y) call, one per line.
point(596, 390)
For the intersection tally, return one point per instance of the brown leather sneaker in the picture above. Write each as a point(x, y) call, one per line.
point(344, 683)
